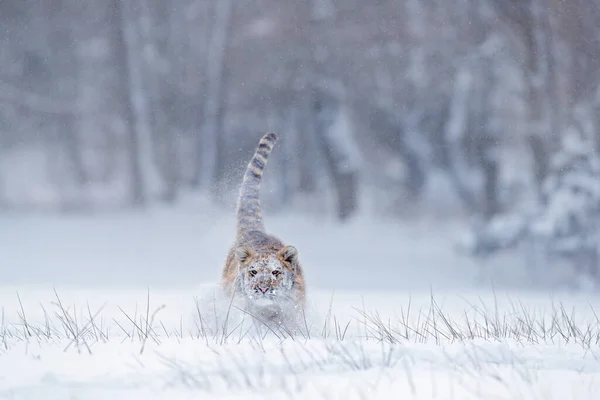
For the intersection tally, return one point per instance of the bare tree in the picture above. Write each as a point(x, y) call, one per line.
point(162, 93)
point(340, 150)
point(529, 22)
point(332, 129)
point(212, 129)
point(130, 96)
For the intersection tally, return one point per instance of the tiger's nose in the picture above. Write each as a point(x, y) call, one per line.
point(263, 289)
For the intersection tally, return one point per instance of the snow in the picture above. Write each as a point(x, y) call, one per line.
point(108, 306)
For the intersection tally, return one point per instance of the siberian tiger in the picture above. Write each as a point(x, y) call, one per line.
point(260, 268)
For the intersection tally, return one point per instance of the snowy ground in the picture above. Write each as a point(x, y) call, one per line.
point(124, 307)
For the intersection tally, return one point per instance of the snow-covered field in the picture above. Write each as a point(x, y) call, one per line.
point(125, 307)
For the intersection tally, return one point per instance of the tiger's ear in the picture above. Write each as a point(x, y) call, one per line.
point(289, 254)
point(243, 254)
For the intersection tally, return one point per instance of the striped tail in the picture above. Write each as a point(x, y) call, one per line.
point(249, 214)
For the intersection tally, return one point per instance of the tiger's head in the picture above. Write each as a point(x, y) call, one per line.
point(267, 277)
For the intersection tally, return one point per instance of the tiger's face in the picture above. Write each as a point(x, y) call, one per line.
point(267, 278)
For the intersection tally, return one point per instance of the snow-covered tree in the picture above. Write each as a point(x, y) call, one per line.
point(569, 219)
point(566, 222)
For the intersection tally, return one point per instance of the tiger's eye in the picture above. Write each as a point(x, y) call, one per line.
point(276, 273)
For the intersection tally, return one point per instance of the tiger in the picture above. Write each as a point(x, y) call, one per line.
point(260, 269)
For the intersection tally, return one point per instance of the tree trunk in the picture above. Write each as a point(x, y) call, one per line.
point(209, 141)
point(455, 131)
point(528, 20)
point(308, 147)
point(166, 127)
point(483, 139)
point(341, 152)
point(536, 75)
point(73, 148)
point(131, 97)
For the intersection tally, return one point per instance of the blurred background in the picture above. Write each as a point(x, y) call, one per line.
point(485, 112)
